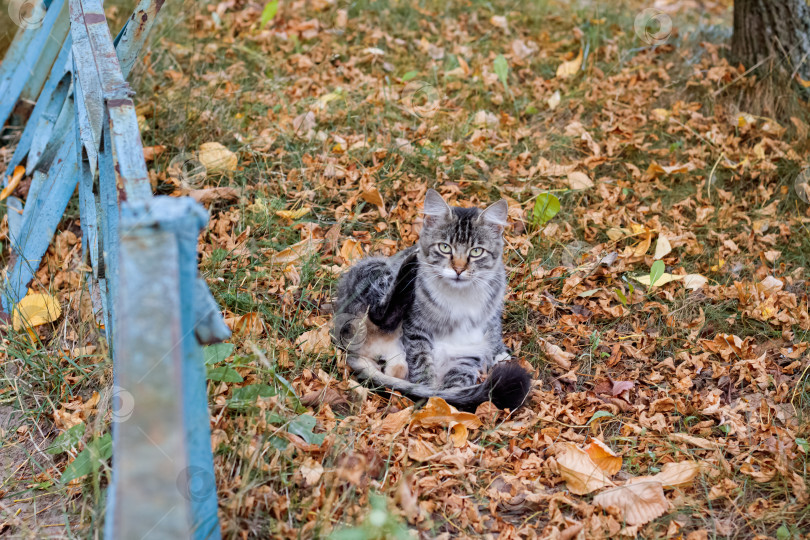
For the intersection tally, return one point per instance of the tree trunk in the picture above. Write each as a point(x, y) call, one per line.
point(774, 34)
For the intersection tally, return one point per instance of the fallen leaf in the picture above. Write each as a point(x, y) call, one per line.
point(303, 123)
point(663, 280)
point(684, 438)
point(559, 356)
point(678, 474)
point(151, 152)
point(662, 247)
point(554, 100)
point(694, 281)
point(351, 250)
point(581, 474)
point(438, 412)
point(421, 450)
point(311, 470)
point(315, 341)
point(209, 195)
point(394, 422)
point(569, 68)
point(296, 252)
point(620, 387)
point(604, 458)
point(579, 180)
point(35, 309)
point(373, 196)
point(499, 21)
point(17, 175)
point(640, 502)
point(216, 158)
point(292, 215)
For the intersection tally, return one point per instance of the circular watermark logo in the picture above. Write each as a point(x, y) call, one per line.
point(421, 99)
point(196, 484)
point(188, 170)
point(801, 185)
point(122, 404)
point(653, 26)
point(349, 332)
point(27, 13)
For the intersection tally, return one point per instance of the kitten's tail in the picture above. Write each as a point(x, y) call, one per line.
point(506, 387)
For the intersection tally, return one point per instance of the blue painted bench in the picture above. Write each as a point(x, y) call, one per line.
point(141, 249)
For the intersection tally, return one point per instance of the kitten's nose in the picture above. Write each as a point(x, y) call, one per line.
point(459, 266)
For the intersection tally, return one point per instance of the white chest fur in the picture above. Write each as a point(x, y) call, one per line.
point(463, 342)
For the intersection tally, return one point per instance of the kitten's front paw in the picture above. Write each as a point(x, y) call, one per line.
point(397, 368)
point(503, 357)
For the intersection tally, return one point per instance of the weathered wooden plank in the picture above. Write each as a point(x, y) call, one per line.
point(39, 127)
point(182, 220)
point(149, 451)
point(132, 37)
point(50, 51)
point(126, 138)
point(90, 109)
point(30, 60)
point(39, 225)
point(109, 218)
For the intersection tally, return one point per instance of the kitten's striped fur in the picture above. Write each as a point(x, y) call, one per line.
point(427, 321)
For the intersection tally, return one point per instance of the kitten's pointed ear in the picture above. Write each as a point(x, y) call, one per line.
point(496, 214)
point(435, 205)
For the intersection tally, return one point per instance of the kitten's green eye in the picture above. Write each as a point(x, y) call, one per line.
point(445, 248)
point(476, 252)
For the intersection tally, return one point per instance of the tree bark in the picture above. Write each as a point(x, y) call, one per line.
point(774, 34)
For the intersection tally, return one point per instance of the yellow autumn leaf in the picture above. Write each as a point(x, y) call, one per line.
point(581, 474)
point(292, 215)
point(216, 158)
point(34, 310)
point(569, 68)
point(663, 280)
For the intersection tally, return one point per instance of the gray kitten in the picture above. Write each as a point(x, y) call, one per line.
point(427, 321)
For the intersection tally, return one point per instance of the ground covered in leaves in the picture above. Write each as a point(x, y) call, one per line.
point(670, 398)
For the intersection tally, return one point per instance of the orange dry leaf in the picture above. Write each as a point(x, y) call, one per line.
point(373, 196)
point(604, 457)
point(640, 501)
point(351, 250)
point(581, 474)
point(438, 412)
point(19, 172)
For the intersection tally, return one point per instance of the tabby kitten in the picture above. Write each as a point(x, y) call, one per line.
point(427, 321)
